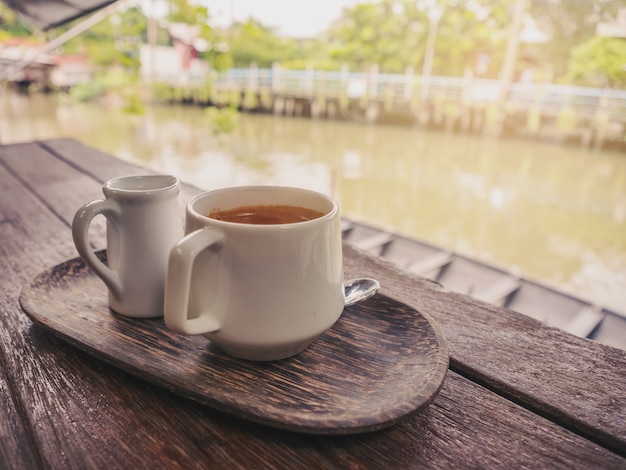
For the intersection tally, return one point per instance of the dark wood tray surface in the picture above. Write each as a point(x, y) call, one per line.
point(380, 362)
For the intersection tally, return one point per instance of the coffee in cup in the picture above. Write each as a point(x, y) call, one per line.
point(266, 215)
point(260, 271)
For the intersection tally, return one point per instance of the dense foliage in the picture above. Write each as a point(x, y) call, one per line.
point(599, 62)
point(10, 26)
point(112, 42)
point(469, 36)
point(393, 35)
point(569, 23)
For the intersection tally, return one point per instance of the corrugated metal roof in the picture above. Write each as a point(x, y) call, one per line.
point(46, 14)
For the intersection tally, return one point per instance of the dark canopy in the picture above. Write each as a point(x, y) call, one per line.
point(46, 14)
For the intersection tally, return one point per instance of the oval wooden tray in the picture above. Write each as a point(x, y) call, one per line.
point(381, 361)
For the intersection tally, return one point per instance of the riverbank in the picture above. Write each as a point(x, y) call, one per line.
point(576, 116)
point(587, 117)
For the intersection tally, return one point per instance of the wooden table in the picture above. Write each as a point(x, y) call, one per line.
point(517, 394)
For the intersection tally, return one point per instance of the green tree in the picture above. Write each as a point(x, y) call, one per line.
point(310, 52)
point(217, 50)
point(393, 34)
point(389, 34)
point(251, 42)
point(10, 25)
point(113, 41)
point(468, 31)
point(182, 11)
point(599, 62)
point(568, 23)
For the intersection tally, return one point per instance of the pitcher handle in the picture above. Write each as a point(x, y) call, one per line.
point(80, 233)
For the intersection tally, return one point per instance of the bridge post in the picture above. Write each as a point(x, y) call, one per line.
point(276, 85)
point(309, 75)
point(408, 84)
point(373, 81)
point(253, 77)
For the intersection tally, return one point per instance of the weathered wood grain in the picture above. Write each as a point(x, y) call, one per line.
point(15, 446)
point(48, 179)
point(571, 380)
point(62, 400)
point(97, 164)
point(79, 412)
point(378, 363)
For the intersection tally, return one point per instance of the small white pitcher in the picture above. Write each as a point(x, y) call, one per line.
point(144, 221)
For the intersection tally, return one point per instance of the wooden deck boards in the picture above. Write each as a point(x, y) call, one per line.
point(537, 395)
point(491, 284)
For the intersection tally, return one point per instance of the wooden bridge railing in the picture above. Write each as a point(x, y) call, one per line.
point(589, 115)
point(409, 87)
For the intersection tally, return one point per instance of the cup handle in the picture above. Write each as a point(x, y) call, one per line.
point(178, 284)
point(80, 233)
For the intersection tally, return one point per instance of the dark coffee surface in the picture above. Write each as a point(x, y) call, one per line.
point(266, 215)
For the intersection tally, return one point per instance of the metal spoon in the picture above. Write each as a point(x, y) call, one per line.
point(360, 289)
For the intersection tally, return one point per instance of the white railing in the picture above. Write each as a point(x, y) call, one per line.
point(407, 87)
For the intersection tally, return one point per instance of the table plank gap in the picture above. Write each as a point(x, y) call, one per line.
point(552, 414)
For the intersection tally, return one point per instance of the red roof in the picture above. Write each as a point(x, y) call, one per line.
point(29, 42)
point(70, 59)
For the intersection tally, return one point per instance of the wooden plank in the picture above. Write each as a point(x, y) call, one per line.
point(346, 226)
point(585, 322)
point(16, 446)
point(498, 291)
point(494, 344)
point(63, 400)
point(92, 413)
point(373, 242)
point(99, 169)
point(98, 165)
point(61, 177)
point(312, 392)
point(482, 347)
point(575, 382)
point(430, 263)
point(83, 411)
point(16, 443)
point(49, 178)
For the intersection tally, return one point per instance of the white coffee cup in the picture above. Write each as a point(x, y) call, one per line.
point(144, 222)
point(259, 292)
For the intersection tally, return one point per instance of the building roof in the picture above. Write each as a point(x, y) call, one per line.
point(46, 14)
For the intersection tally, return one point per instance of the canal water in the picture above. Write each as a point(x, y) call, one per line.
point(553, 213)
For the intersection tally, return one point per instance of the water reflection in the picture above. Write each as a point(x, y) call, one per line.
point(552, 213)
